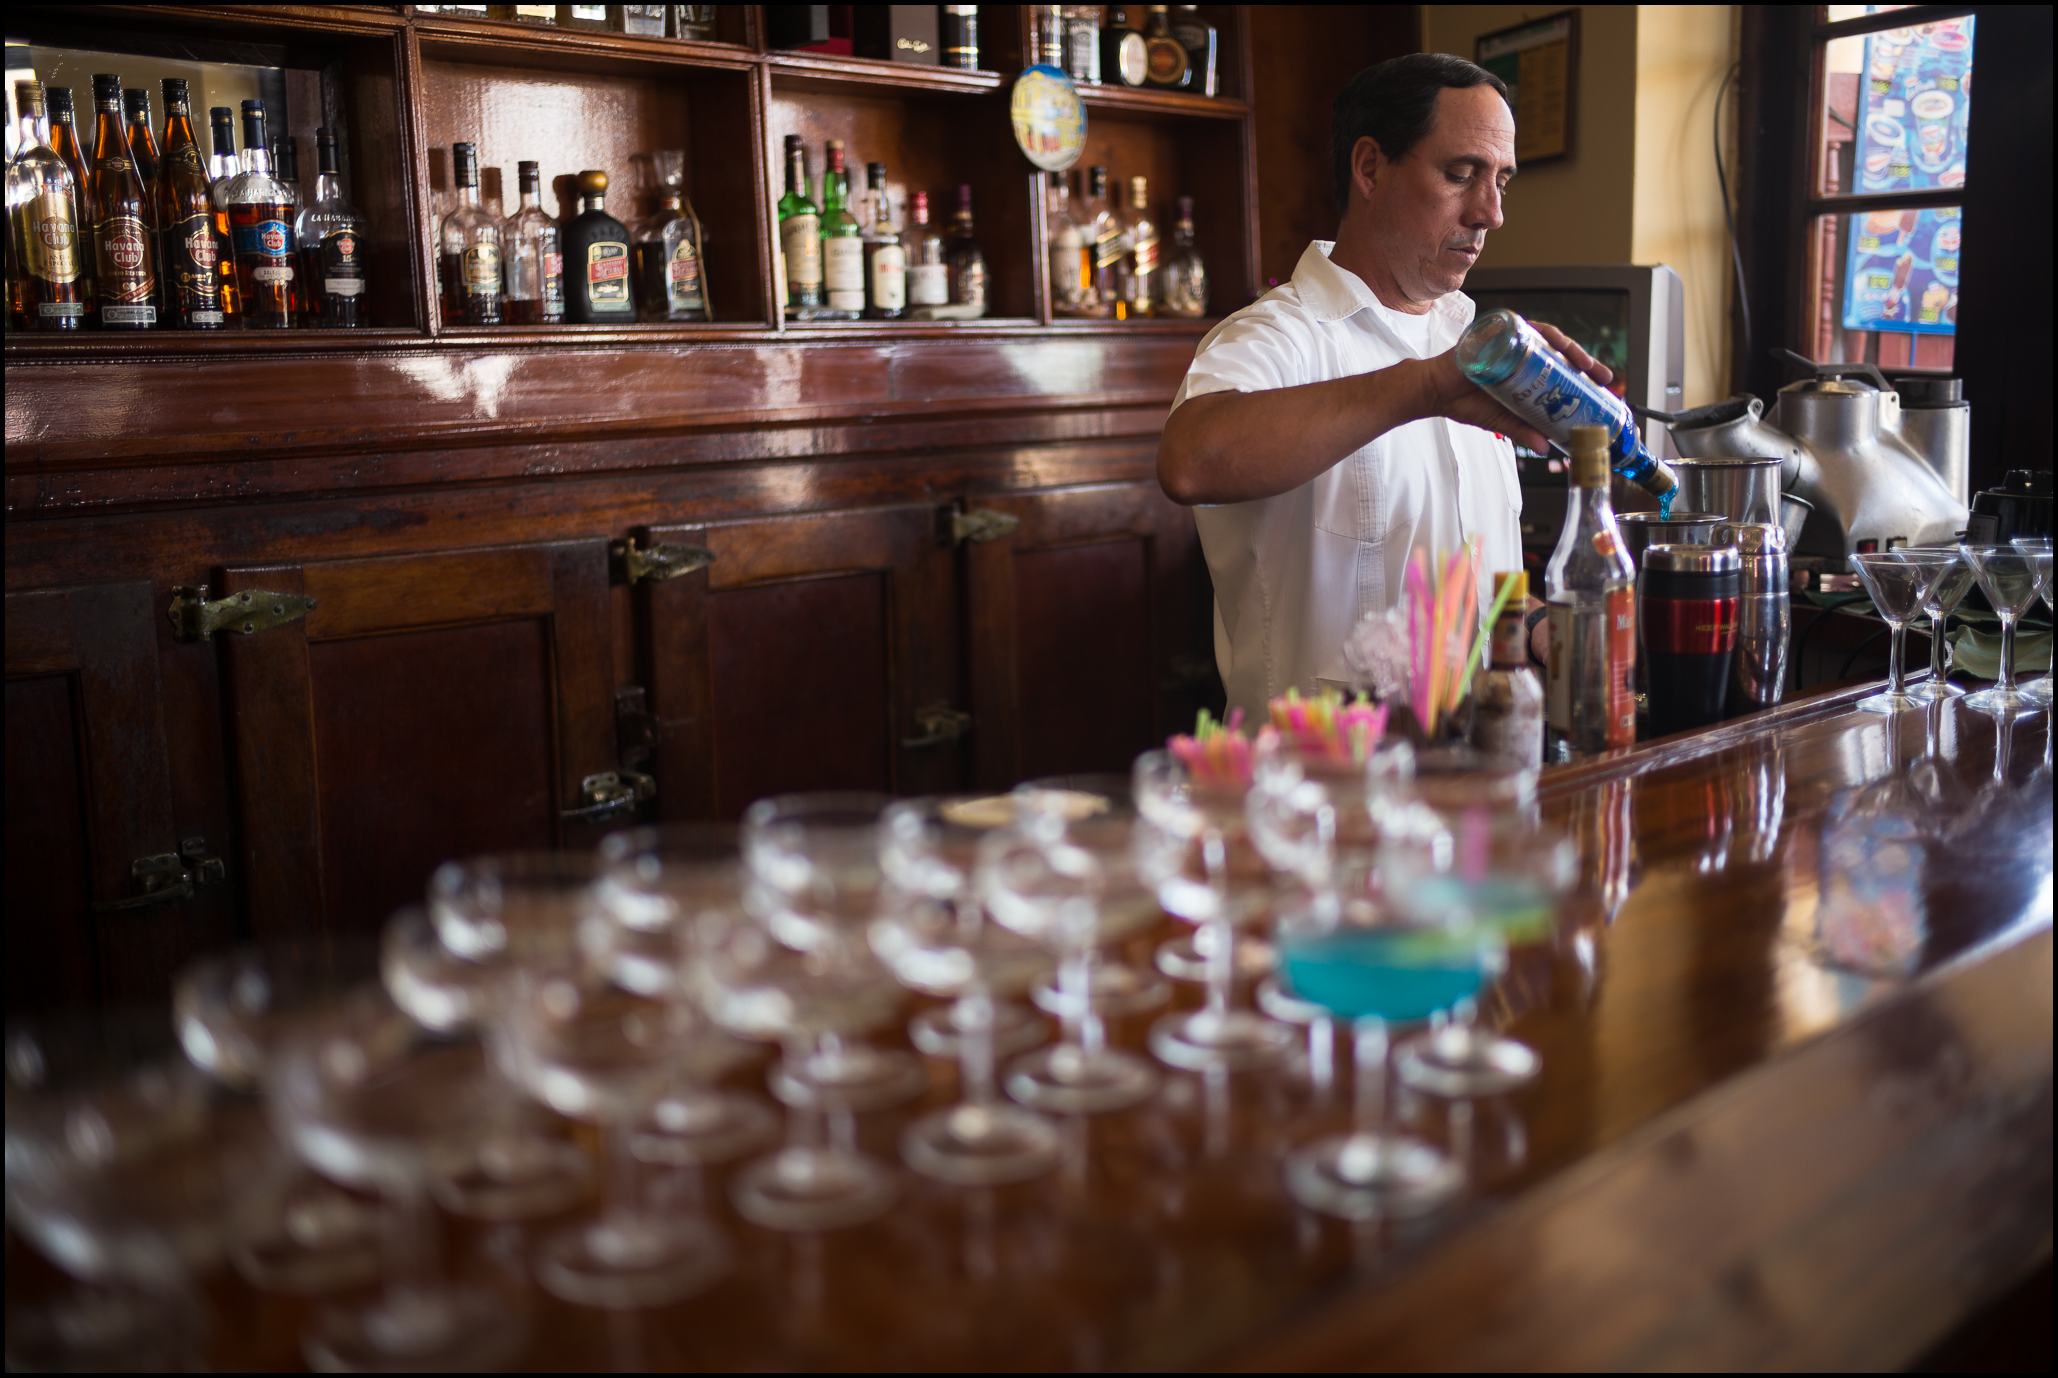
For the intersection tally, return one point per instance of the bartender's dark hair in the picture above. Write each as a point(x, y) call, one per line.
point(1393, 103)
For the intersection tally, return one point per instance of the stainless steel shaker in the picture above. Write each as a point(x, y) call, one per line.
point(1765, 617)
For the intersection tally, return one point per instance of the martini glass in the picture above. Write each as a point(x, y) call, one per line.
point(1896, 581)
point(1369, 964)
point(2008, 577)
point(1941, 596)
point(2038, 548)
point(935, 935)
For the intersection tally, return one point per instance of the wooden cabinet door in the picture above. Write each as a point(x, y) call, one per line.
point(1089, 639)
point(809, 655)
point(89, 795)
point(428, 707)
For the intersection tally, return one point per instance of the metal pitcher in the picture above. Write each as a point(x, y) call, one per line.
point(1742, 489)
point(1764, 616)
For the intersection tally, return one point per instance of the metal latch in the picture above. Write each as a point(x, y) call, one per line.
point(609, 793)
point(169, 878)
point(633, 564)
point(196, 617)
point(981, 524)
point(939, 724)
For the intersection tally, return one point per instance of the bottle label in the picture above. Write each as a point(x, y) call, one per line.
point(1621, 667)
point(607, 273)
point(271, 243)
point(52, 252)
point(843, 268)
point(889, 278)
point(60, 310)
point(1581, 637)
point(481, 269)
point(801, 237)
point(682, 276)
point(1510, 641)
point(970, 287)
point(124, 278)
point(1109, 246)
point(342, 265)
point(928, 284)
point(1146, 260)
point(1165, 61)
point(193, 262)
point(1554, 397)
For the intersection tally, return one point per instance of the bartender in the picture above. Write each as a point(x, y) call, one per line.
point(1324, 432)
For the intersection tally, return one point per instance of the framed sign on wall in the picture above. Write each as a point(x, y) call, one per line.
point(1539, 60)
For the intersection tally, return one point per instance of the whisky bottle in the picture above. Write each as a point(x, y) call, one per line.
point(1107, 240)
point(669, 281)
point(647, 20)
point(43, 214)
point(1124, 58)
point(286, 167)
point(471, 249)
point(1165, 62)
point(222, 169)
point(596, 247)
point(142, 143)
point(1198, 37)
point(524, 14)
point(1183, 281)
point(1140, 267)
point(692, 22)
point(124, 258)
point(535, 262)
point(886, 260)
point(967, 263)
point(261, 225)
point(331, 237)
point(800, 236)
point(843, 243)
point(959, 29)
point(189, 248)
point(928, 267)
point(1071, 258)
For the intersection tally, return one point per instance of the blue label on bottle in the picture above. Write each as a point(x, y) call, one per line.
point(269, 238)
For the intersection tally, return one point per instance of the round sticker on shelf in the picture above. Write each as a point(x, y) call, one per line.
point(1049, 118)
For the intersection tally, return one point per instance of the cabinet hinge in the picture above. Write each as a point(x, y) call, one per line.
point(981, 524)
point(196, 617)
point(633, 564)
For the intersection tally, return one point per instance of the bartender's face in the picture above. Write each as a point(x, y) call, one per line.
point(1430, 211)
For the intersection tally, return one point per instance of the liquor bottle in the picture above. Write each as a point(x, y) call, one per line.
point(647, 20)
point(1071, 258)
point(596, 247)
point(800, 236)
point(1507, 700)
point(142, 143)
point(65, 142)
point(928, 267)
point(582, 16)
point(124, 256)
point(1124, 58)
point(1082, 43)
point(331, 237)
point(960, 29)
point(471, 274)
point(1590, 590)
point(535, 262)
point(1165, 62)
point(1198, 37)
point(1047, 36)
point(886, 259)
point(1183, 281)
point(693, 22)
point(1107, 240)
point(189, 247)
point(670, 283)
point(223, 168)
point(43, 214)
point(967, 263)
point(524, 14)
point(1505, 356)
point(843, 243)
point(1140, 266)
point(286, 167)
point(261, 224)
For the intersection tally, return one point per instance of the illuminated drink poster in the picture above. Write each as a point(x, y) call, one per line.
point(1901, 269)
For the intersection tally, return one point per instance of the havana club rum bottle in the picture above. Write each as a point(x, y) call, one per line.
point(124, 257)
point(222, 169)
point(65, 143)
point(189, 252)
point(261, 223)
point(43, 212)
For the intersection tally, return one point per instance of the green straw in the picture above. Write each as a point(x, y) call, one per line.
point(1493, 615)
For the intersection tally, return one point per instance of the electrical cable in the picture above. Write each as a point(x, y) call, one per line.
point(1736, 257)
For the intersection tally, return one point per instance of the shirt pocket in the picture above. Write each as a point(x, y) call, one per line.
point(1359, 497)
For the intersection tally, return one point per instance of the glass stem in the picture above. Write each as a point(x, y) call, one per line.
point(975, 1045)
point(1370, 1058)
point(1222, 956)
point(413, 1257)
point(1075, 980)
point(622, 1176)
point(2007, 684)
point(1896, 682)
point(1936, 648)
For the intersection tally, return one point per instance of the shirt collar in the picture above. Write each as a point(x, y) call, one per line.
point(1334, 294)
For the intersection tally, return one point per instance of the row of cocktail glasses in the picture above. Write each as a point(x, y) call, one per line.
point(1933, 580)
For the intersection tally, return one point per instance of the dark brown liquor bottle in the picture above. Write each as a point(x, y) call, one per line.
point(45, 224)
point(261, 223)
point(65, 143)
point(124, 256)
point(222, 169)
point(596, 249)
point(189, 250)
point(142, 143)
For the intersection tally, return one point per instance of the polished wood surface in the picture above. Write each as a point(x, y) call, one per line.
point(1739, 1154)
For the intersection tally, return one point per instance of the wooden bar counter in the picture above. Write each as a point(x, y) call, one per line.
point(1739, 1155)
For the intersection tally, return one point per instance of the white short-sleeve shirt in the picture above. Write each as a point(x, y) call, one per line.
point(1293, 573)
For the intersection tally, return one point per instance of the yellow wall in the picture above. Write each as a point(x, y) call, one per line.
point(1640, 184)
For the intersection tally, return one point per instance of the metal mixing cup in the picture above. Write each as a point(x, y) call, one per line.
point(1764, 616)
point(1742, 490)
point(1642, 530)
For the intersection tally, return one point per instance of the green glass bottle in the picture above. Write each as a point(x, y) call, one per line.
point(843, 243)
point(800, 237)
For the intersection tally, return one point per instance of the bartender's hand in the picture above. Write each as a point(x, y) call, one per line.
point(1456, 397)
